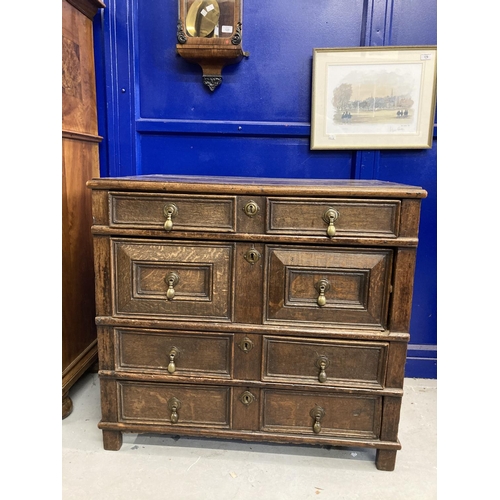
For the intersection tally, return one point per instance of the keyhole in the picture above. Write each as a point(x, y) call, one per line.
point(246, 345)
point(252, 256)
point(251, 209)
point(247, 398)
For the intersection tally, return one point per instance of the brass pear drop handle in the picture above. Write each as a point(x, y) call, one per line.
point(174, 405)
point(171, 279)
point(330, 216)
point(170, 211)
point(322, 363)
point(174, 352)
point(322, 286)
point(317, 413)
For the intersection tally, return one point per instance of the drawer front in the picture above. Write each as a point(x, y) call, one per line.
point(356, 218)
point(333, 287)
point(175, 405)
point(325, 362)
point(173, 279)
point(190, 212)
point(338, 415)
point(174, 354)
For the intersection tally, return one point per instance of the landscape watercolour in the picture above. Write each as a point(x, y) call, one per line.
point(373, 98)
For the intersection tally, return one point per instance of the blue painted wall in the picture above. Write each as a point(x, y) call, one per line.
point(156, 116)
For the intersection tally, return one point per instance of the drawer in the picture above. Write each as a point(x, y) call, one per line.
point(189, 213)
point(337, 415)
point(335, 287)
point(174, 354)
point(356, 218)
point(325, 362)
point(175, 280)
point(175, 405)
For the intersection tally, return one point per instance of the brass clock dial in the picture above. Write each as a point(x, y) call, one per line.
point(202, 18)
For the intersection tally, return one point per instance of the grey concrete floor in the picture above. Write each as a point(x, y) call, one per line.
point(160, 467)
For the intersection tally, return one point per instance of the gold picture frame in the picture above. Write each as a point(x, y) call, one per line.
point(373, 97)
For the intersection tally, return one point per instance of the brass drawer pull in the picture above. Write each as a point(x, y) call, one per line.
point(322, 363)
point(173, 405)
point(317, 413)
point(170, 211)
point(174, 352)
point(330, 216)
point(322, 287)
point(171, 279)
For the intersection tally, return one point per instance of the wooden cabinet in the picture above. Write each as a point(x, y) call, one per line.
point(242, 308)
point(80, 162)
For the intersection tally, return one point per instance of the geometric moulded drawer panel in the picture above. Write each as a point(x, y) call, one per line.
point(335, 287)
point(173, 280)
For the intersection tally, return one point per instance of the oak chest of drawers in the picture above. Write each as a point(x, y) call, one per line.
point(258, 309)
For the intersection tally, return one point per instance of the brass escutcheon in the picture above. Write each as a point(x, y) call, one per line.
point(251, 208)
point(247, 398)
point(252, 256)
point(246, 345)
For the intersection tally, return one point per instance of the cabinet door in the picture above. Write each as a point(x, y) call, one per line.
point(338, 287)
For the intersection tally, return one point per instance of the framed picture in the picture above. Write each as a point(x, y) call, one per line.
point(373, 97)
